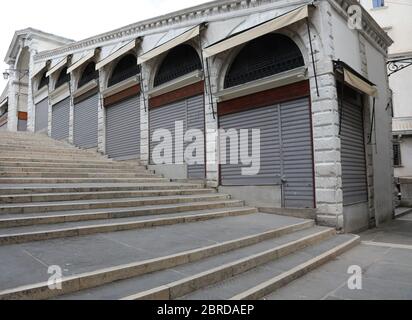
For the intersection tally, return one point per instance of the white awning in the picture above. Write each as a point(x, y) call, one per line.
point(360, 84)
point(57, 67)
point(79, 62)
point(257, 31)
point(116, 54)
point(38, 67)
point(185, 36)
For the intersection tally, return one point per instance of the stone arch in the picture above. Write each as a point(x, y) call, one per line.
point(124, 68)
point(87, 73)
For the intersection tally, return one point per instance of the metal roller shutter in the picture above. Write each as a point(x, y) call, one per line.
point(354, 174)
point(196, 120)
point(22, 125)
point(265, 119)
point(286, 152)
point(123, 129)
point(191, 113)
point(60, 120)
point(86, 122)
point(42, 115)
point(297, 154)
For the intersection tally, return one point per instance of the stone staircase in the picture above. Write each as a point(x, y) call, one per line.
point(119, 231)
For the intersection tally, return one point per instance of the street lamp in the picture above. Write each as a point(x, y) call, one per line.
point(6, 73)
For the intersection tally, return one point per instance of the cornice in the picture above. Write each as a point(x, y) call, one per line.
point(201, 13)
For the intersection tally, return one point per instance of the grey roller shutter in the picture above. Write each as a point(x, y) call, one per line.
point(165, 118)
point(265, 119)
point(354, 174)
point(123, 129)
point(196, 120)
point(86, 122)
point(22, 125)
point(42, 115)
point(286, 152)
point(297, 154)
point(191, 113)
point(60, 120)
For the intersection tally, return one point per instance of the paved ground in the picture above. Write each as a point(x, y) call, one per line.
point(385, 257)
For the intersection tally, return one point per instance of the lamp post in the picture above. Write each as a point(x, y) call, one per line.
point(22, 73)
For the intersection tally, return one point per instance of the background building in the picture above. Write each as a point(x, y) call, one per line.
point(395, 19)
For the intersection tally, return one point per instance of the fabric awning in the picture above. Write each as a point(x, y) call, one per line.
point(360, 84)
point(38, 67)
point(259, 30)
point(185, 36)
point(116, 54)
point(57, 67)
point(79, 62)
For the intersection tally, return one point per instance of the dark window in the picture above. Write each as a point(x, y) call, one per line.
point(263, 57)
point(378, 3)
point(179, 61)
point(44, 81)
point(90, 73)
point(127, 67)
point(397, 160)
point(64, 77)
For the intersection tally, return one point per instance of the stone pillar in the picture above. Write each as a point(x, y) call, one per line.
point(101, 134)
point(144, 115)
point(30, 99)
point(12, 101)
point(73, 81)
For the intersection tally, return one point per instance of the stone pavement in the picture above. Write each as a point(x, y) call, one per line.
point(385, 257)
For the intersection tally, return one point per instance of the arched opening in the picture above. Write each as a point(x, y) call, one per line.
point(89, 73)
point(127, 67)
point(44, 81)
point(63, 78)
point(262, 57)
point(179, 61)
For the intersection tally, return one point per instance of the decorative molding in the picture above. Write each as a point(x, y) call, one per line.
point(202, 13)
point(60, 94)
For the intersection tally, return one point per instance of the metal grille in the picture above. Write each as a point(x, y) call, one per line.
point(179, 61)
point(90, 73)
point(85, 122)
point(397, 159)
point(64, 77)
point(126, 68)
point(263, 57)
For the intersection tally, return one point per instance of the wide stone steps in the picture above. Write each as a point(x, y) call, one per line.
point(65, 169)
point(74, 229)
point(40, 207)
point(44, 149)
point(20, 189)
point(58, 155)
point(79, 180)
point(74, 196)
point(75, 174)
point(97, 161)
point(20, 220)
point(71, 165)
point(94, 260)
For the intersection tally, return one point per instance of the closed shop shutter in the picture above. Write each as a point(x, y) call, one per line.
point(60, 120)
point(22, 125)
point(86, 122)
point(354, 174)
point(286, 152)
point(42, 115)
point(191, 113)
point(123, 129)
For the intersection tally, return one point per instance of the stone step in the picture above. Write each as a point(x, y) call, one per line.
point(52, 155)
point(40, 207)
point(22, 220)
point(74, 174)
point(91, 261)
point(43, 148)
point(256, 283)
point(75, 196)
point(78, 180)
point(71, 165)
point(76, 229)
point(74, 170)
point(56, 160)
point(10, 189)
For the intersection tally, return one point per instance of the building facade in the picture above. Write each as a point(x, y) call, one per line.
point(313, 87)
point(394, 17)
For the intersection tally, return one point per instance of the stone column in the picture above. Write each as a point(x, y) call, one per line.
point(30, 99)
point(101, 144)
point(12, 99)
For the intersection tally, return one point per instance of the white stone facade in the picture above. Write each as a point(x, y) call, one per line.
point(225, 17)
